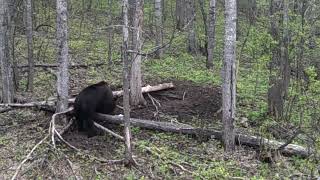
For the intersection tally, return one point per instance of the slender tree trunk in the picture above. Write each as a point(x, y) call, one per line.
point(204, 50)
point(274, 30)
point(192, 40)
point(131, 19)
point(29, 33)
point(126, 104)
point(6, 70)
point(164, 15)
point(136, 97)
point(274, 104)
point(211, 33)
point(63, 56)
point(300, 64)
point(229, 76)
point(158, 17)
point(180, 13)
point(285, 68)
point(13, 14)
point(110, 35)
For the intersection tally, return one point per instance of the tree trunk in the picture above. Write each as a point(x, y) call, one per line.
point(29, 33)
point(126, 104)
point(229, 78)
point(300, 63)
point(136, 97)
point(274, 30)
point(211, 33)
point(204, 50)
point(110, 35)
point(180, 13)
point(285, 68)
point(63, 61)
point(13, 14)
point(275, 99)
point(158, 19)
point(6, 70)
point(131, 19)
point(192, 40)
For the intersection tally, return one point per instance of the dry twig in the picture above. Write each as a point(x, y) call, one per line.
point(28, 157)
point(108, 131)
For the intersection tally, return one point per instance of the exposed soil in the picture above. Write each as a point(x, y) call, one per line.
point(184, 102)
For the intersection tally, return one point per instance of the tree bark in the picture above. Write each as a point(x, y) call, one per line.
point(136, 97)
point(63, 55)
point(300, 63)
point(211, 33)
point(126, 104)
point(192, 40)
point(13, 16)
point(110, 35)
point(29, 32)
point(158, 20)
point(275, 63)
point(285, 68)
point(6, 70)
point(131, 19)
point(180, 13)
point(274, 30)
point(204, 50)
point(229, 78)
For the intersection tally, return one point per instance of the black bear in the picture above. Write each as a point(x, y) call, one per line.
point(94, 98)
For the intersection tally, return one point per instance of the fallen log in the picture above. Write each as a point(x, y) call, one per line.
point(50, 104)
point(145, 89)
point(44, 104)
point(56, 65)
point(6, 109)
point(252, 141)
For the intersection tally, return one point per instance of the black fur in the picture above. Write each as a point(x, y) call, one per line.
point(95, 98)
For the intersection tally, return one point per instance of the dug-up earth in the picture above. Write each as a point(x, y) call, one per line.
point(159, 155)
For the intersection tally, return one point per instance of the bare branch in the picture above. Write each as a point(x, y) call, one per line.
point(109, 131)
point(28, 157)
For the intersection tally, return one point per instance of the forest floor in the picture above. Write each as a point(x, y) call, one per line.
point(159, 155)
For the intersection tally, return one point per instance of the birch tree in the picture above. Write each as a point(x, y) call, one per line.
point(29, 33)
point(136, 97)
point(211, 33)
point(63, 61)
point(229, 76)
point(126, 104)
point(158, 20)
point(7, 94)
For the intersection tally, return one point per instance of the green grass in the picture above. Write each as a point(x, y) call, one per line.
point(183, 67)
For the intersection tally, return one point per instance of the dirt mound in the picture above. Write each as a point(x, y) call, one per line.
point(184, 102)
